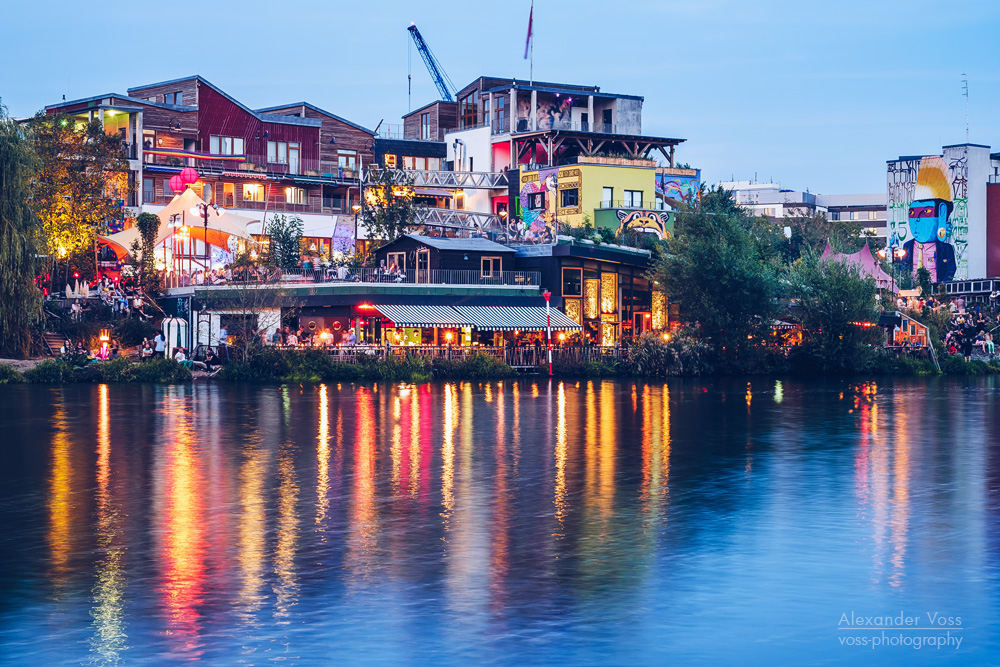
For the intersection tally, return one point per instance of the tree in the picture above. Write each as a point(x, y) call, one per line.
point(148, 225)
point(20, 298)
point(284, 232)
point(720, 269)
point(82, 184)
point(835, 302)
point(389, 209)
point(812, 230)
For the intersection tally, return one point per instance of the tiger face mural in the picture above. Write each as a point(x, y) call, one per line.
point(649, 222)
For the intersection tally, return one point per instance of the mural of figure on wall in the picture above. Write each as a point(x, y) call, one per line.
point(650, 222)
point(683, 189)
point(929, 222)
point(538, 202)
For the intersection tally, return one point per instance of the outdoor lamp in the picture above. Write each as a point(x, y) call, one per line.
point(356, 208)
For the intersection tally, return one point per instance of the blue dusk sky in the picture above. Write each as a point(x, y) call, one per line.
point(810, 94)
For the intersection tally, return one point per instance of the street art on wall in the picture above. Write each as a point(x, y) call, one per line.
point(551, 112)
point(680, 188)
point(659, 223)
point(342, 239)
point(927, 212)
point(538, 205)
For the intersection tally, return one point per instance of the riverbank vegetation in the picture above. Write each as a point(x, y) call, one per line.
point(79, 369)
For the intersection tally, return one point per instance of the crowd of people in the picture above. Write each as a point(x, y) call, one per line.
point(971, 330)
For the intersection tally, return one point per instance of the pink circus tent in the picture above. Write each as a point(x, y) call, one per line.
point(866, 263)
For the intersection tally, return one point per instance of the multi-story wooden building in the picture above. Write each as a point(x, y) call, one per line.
point(293, 158)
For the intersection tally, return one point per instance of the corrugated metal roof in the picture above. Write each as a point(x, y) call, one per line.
point(473, 244)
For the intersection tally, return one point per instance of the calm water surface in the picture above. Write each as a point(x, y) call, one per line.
point(515, 522)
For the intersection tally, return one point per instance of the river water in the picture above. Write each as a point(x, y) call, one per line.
point(508, 522)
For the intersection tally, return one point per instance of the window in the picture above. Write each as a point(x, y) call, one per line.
point(253, 192)
point(225, 145)
point(425, 125)
point(633, 198)
point(148, 191)
point(499, 116)
point(229, 194)
point(835, 215)
point(167, 191)
point(572, 282)
point(468, 108)
point(434, 164)
point(347, 159)
point(491, 267)
point(769, 212)
point(536, 201)
point(172, 98)
point(873, 215)
point(207, 193)
point(397, 258)
point(389, 161)
point(569, 197)
point(410, 162)
point(334, 201)
point(607, 196)
point(296, 196)
point(277, 151)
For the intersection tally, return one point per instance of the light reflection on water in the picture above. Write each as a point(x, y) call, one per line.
point(594, 522)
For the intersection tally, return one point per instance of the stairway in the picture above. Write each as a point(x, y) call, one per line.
point(53, 342)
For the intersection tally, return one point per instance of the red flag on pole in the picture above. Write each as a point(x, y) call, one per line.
point(527, 42)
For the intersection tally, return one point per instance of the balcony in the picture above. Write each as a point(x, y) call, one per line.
point(479, 180)
point(257, 166)
point(647, 204)
point(412, 278)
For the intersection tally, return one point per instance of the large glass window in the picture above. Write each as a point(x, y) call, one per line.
point(225, 145)
point(607, 196)
point(425, 125)
point(148, 191)
point(633, 198)
point(295, 196)
point(229, 194)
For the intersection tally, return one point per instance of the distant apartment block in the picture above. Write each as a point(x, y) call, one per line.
point(773, 201)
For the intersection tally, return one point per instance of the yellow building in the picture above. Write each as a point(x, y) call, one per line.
point(570, 193)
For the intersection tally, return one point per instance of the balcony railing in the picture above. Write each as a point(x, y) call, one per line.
point(653, 205)
point(487, 180)
point(258, 165)
point(524, 125)
point(343, 275)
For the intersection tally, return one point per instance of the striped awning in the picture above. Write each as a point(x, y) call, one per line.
point(423, 316)
point(511, 318)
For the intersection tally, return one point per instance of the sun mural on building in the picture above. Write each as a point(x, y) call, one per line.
point(929, 218)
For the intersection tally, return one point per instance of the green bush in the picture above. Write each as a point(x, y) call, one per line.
point(91, 374)
point(115, 370)
point(589, 369)
point(476, 367)
point(50, 371)
point(955, 364)
point(166, 371)
point(683, 354)
point(9, 375)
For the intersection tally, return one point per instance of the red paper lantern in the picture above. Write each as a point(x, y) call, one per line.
point(176, 183)
point(189, 175)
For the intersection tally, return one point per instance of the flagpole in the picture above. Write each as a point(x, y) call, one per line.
point(531, 39)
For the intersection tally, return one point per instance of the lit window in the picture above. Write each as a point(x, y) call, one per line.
point(253, 192)
point(389, 161)
point(295, 196)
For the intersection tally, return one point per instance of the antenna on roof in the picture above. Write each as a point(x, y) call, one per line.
point(965, 91)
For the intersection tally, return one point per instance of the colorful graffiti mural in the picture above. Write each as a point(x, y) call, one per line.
point(927, 213)
point(683, 188)
point(650, 222)
point(538, 205)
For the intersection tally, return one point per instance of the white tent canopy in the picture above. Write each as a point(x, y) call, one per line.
point(227, 224)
